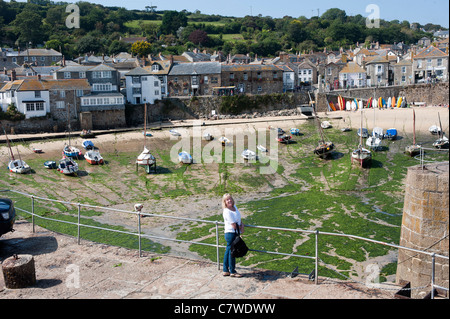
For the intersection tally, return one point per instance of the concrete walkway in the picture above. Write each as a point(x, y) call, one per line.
point(66, 270)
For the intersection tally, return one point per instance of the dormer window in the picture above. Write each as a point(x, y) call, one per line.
point(155, 67)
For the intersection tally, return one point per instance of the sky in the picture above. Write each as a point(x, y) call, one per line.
point(421, 11)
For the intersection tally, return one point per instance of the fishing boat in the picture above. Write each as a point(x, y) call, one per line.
point(67, 166)
point(261, 148)
point(391, 134)
point(361, 155)
point(377, 132)
point(50, 164)
point(93, 157)
point(294, 131)
point(434, 130)
point(363, 132)
point(248, 155)
point(207, 136)
point(324, 147)
point(442, 141)
point(174, 132)
point(284, 138)
point(184, 157)
point(373, 142)
point(414, 149)
point(71, 151)
point(224, 140)
point(87, 134)
point(16, 165)
point(146, 158)
point(88, 145)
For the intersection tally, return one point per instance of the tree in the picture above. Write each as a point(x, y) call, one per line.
point(28, 27)
point(172, 21)
point(141, 48)
point(199, 37)
point(88, 43)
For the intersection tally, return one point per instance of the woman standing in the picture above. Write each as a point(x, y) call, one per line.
point(232, 219)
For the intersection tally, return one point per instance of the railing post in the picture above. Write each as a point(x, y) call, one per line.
point(139, 233)
point(79, 225)
point(433, 265)
point(217, 245)
point(316, 277)
point(32, 212)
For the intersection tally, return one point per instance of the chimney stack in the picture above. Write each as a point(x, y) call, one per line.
point(13, 75)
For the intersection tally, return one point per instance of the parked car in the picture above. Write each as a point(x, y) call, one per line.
point(7, 215)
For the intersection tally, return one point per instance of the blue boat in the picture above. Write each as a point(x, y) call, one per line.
point(71, 151)
point(391, 134)
point(88, 145)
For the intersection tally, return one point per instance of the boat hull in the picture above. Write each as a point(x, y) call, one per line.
point(19, 167)
point(324, 150)
point(93, 158)
point(67, 167)
point(361, 157)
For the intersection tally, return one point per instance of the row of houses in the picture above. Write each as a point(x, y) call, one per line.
point(98, 84)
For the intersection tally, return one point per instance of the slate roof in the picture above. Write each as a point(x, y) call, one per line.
point(430, 52)
point(249, 67)
point(195, 68)
point(352, 67)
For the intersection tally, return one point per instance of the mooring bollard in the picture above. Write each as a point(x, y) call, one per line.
point(19, 271)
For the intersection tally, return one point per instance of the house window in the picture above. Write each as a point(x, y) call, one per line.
point(403, 69)
point(258, 76)
point(275, 75)
point(156, 92)
point(439, 62)
point(60, 104)
point(39, 106)
point(102, 87)
point(259, 88)
point(194, 80)
point(144, 78)
point(136, 80)
point(37, 93)
point(30, 107)
point(80, 93)
point(62, 94)
point(136, 90)
point(403, 78)
point(85, 101)
point(231, 76)
point(245, 76)
point(155, 67)
point(82, 75)
point(33, 58)
point(205, 79)
point(156, 83)
point(329, 71)
point(67, 75)
point(175, 80)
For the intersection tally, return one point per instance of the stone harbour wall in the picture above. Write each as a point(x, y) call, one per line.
point(425, 226)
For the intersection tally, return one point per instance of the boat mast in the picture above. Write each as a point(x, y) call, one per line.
point(317, 120)
point(9, 145)
point(145, 125)
point(414, 127)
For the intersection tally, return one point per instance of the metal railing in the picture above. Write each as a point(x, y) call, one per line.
point(140, 235)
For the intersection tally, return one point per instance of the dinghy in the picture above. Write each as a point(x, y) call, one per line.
point(391, 134)
point(50, 164)
point(184, 157)
point(248, 155)
point(67, 166)
point(93, 157)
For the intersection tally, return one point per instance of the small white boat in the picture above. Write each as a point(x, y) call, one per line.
point(261, 148)
point(174, 132)
point(37, 150)
point(93, 157)
point(441, 143)
point(207, 136)
point(377, 132)
point(373, 142)
point(325, 124)
point(435, 130)
point(184, 157)
point(345, 129)
point(71, 151)
point(145, 158)
point(362, 156)
point(19, 166)
point(249, 155)
point(224, 140)
point(67, 166)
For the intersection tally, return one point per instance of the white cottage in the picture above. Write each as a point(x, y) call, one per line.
point(142, 86)
point(352, 75)
point(28, 95)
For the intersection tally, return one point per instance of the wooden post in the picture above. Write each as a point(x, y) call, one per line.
point(19, 271)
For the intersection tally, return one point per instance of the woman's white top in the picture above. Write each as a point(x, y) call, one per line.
point(231, 217)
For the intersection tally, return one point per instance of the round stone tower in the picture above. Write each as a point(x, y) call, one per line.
point(425, 227)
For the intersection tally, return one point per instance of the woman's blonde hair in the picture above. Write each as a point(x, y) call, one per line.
point(224, 198)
